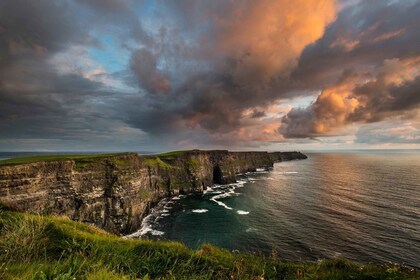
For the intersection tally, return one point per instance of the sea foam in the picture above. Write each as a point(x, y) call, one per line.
point(200, 210)
point(221, 204)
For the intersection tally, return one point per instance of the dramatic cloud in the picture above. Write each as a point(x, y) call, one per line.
point(242, 56)
point(378, 64)
point(144, 65)
point(363, 35)
point(392, 92)
point(45, 98)
point(124, 74)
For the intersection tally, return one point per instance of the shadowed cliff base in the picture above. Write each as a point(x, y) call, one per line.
point(115, 191)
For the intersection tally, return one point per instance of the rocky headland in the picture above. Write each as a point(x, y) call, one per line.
point(115, 192)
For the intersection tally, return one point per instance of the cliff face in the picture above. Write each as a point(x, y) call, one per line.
point(285, 156)
point(111, 193)
point(116, 192)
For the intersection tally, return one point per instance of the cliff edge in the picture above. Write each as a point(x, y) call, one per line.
point(115, 192)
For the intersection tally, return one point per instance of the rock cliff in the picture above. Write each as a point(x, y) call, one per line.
point(115, 192)
point(285, 156)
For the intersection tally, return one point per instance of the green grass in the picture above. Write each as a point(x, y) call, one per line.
point(193, 163)
point(164, 160)
point(157, 162)
point(174, 153)
point(23, 160)
point(42, 247)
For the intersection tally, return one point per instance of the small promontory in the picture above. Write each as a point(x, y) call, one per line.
point(115, 191)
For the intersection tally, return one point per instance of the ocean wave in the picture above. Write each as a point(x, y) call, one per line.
point(256, 172)
point(146, 227)
point(207, 190)
point(215, 188)
point(156, 213)
point(178, 197)
point(150, 230)
point(200, 210)
point(217, 192)
point(239, 183)
point(227, 190)
point(230, 192)
point(221, 204)
point(240, 212)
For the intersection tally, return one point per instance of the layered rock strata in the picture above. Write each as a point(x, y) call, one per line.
point(115, 192)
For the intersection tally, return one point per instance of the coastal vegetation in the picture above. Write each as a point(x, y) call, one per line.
point(47, 247)
point(78, 158)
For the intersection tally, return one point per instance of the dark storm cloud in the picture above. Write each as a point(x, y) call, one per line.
point(144, 66)
point(298, 123)
point(394, 99)
point(35, 100)
point(44, 104)
point(37, 28)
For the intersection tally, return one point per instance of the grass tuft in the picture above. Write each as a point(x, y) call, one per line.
point(43, 247)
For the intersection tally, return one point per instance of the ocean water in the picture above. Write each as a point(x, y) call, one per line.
point(361, 206)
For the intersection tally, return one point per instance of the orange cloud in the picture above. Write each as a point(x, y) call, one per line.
point(333, 107)
point(346, 44)
point(266, 37)
point(360, 98)
point(388, 35)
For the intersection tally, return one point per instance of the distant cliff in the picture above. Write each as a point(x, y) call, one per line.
point(115, 192)
point(285, 156)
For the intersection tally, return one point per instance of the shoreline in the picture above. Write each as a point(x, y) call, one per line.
point(117, 191)
point(146, 228)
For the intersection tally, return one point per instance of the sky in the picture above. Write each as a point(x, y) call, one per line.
point(156, 75)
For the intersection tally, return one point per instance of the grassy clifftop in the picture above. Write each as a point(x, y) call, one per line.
point(42, 247)
point(32, 159)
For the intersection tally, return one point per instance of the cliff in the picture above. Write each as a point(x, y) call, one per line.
point(286, 156)
point(115, 192)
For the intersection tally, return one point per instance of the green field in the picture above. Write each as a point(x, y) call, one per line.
point(173, 153)
point(32, 159)
point(42, 247)
point(23, 160)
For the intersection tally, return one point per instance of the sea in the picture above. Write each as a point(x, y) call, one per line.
point(359, 205)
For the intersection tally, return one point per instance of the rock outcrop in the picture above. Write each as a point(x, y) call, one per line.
point(286, 156)
point(116, 192)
